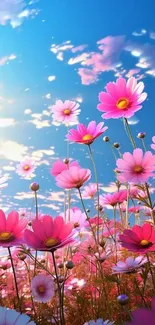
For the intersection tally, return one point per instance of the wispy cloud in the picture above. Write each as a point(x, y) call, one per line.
point(15, 12)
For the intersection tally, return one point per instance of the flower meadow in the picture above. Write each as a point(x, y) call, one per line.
point(84, 267)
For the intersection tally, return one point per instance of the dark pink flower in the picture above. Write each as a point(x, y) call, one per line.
point(11, 229)
point(59, 166)
point(49, 234)
point(139, 239)
point(143, 316)
point(86, 134)
point(122, 98)
point(113, 199)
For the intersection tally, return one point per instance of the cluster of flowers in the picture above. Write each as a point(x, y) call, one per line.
point(79, 268)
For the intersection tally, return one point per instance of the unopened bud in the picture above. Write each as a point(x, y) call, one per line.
point(69, 265)
point(34, 187)
point(141, 135)
point(116, 145)
point(60, 265)
point(102, 243)
point(66, 161)
point(106, 139)
point(123, 299)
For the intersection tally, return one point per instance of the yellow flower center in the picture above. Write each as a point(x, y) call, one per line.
point(87, 137)
point(67, 111)
point(123, 103)
point(138, 169)
point(50, 242)
point(144, 242)
point(4, 236)
point(41, 289)
point(26, 167)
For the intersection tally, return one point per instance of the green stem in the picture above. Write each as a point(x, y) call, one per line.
point(97, 185)
point(15, 280)
point(144, 146)
point(36, 253)
point(61, 297)
point(129, 133)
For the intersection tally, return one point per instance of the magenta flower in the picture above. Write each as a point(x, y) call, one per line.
point(12, 317)
point(42, 287)
point(113, 199)
point(143, 316)
point(66, 112)
point(153, 144)
point(129, 265)
point(86, 135)
point(122, 98)
point(74, 177)
point(136, 168)
point(139, 239)
point(59, 166)
point(11, 229)
point(89, 191)
point(25, 168)
point(49, 234)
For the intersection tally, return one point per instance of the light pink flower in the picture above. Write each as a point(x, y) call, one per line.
point(122, 98)
point(129, 265)
point(75, 216)
point(153, 144)
point(74, 177)
point(49, 234)
point(25, 168)
point(66, 112)
point(11, 229)
point(42, 287)
point(89, 191)
point(59, 166)
point(113, 199)
point(137, 167)
point(86, 135)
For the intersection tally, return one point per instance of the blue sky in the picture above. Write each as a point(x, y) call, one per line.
point(52, 38)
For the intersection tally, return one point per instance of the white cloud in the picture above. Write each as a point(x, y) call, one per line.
point(40, 124)
point(12, 150)
point(60, 56)
point(14, 12)
point(27, 111)
point(51, 78)
point(4, 122)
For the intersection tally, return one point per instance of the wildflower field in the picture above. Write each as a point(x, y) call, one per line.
point(77, 204)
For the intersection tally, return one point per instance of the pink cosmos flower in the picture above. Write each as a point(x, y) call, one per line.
point(66, 112)
point(74, 177)
point(153, 144)
point(25, 168)
point(137, 167)
point(75, 216)
point(42, 287)
point(129, 265)
point(139, 239)
point(89, 191)
point(122, 98)
point(86, 135)
point(143, 316)
point(113, 199)
point(59, 166)
point(49, 234)
point(11, 229)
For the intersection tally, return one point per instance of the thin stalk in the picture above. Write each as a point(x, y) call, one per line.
point(36, 205)
point(62, 318)
point(150, 202)
point(97, 185)
point(144, 146)
point(112, 149)
point(152, 275)
point(15, 279)
point(129, 133)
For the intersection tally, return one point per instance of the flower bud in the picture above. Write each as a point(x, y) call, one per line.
point(116, 145)
point(69, 265)
point(123, 299)
point(141, 135)
point(106, 139)
point(87, 210)
point(60, 265)
point(66, 161)
point(102, 243)
point(34, 187)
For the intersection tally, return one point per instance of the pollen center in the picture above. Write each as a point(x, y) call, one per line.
point(26, 167)
point(50, 242)
point(67, 111)
point(138, 169)
point(4, 236)
point(41, 289)
point(144, 242)
point(87, 137)
point(123, 103)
